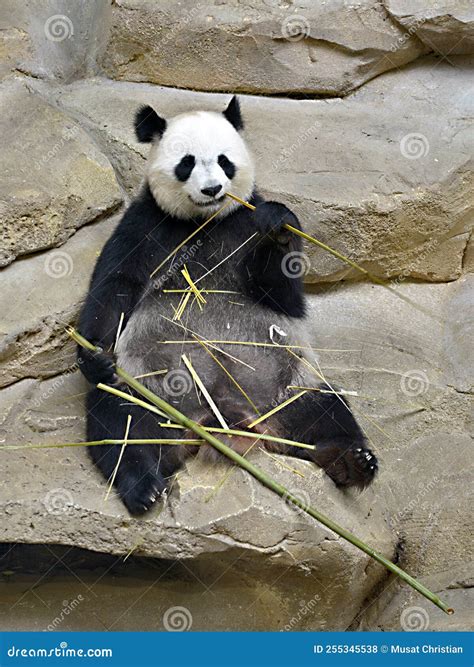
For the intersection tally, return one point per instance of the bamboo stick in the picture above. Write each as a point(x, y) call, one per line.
point(267, 481)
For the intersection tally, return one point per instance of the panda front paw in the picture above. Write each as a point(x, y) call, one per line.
point(270, 218)
point(139, 493)
point(356, 466)
point(97, 367)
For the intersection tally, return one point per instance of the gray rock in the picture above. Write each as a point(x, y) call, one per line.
point(399, 609)
point(411, 369)
point(55, 496)
point(330, 48)
point(445, 27)
point(39, 297)
point(382, 176)
point(53, 39)
point(54, 178)
point(370, 341)
point(381, 173)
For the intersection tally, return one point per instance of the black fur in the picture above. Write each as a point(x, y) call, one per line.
point(148, 124)
point(184, 168)
point(121, 284)
point(233, 115)
point(227, 166)
point(341, 449)
point(141, 241)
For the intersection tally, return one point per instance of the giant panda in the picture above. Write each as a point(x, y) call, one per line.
point(194, 159)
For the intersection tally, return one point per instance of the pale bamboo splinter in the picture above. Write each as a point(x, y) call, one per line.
point(114, 474)
point(248, 434)
point(229, 375)
point(275, 410)
point(350, 262)
point(196, 231)
point(206, 394)
point(197, 292)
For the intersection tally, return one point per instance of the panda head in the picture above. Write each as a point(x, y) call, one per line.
point(195, 158)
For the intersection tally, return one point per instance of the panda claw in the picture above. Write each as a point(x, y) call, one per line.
point(140, 495)
point(356, 466)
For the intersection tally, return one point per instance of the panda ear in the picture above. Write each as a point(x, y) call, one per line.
point(233, 115)
point(148, 124)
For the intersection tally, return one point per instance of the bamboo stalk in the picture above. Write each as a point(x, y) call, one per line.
point(253, 343)
point(249, 434)
point(267, 481)
point(119, 460)
point(188, 238)
point(204, 391)
point(107, 441)
point(277, 409)
point(350, 262)
point(311, 239)
point(229, 375)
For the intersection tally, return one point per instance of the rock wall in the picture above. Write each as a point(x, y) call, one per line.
point(358, 114)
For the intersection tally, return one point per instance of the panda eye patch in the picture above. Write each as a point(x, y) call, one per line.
point(226, 165)
point(184, 168)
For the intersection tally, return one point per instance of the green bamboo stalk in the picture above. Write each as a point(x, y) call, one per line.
point(350, 262)
point(97, 443)
point(248, 434)
point(226, 431)
point(267, 481)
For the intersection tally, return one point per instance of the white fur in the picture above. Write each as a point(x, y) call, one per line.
point(205, 135)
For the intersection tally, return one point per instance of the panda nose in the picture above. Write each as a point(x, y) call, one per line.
point(211, 192)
